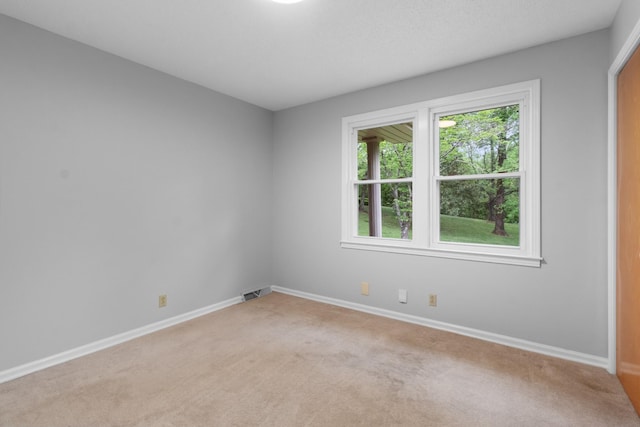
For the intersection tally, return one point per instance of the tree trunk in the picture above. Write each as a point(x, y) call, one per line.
point(498, 204)
point(491, 209)
point(499, 209)
point(362, 195)
point(404, 225)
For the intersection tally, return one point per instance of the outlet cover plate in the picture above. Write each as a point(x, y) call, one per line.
point(364, 288)
point(402, 296)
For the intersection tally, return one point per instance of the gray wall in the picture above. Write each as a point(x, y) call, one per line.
point(119, 183)
point(562, 304)
point(625, 20)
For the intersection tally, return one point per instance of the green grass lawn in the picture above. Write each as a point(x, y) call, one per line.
point(469, 230)
point(390, 227)
point(452, 229)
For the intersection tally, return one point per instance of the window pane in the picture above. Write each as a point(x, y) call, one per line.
point(480, 142)
point(385, 210)
point(485, 211)
point(386, 152)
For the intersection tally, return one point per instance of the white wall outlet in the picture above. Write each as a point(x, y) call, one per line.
point(402, 296)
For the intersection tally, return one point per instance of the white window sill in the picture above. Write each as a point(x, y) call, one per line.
point(381, 246)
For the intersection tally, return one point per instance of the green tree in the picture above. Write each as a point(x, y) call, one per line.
point(481, 142)
point(396, 161)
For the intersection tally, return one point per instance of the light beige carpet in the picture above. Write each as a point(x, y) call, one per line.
point(285, 361)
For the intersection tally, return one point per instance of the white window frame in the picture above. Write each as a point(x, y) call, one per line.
point(426, 203)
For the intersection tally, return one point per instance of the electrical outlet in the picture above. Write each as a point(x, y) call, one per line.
point(433, 300)
point(364, 288)
point(402, 296)
point(162, 301)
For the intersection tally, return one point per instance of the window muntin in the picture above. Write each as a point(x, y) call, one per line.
point(444, 189)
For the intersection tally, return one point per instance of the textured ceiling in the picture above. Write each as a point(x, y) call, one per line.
point(278, 56)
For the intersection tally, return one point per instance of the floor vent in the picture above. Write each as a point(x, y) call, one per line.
point(256, 294)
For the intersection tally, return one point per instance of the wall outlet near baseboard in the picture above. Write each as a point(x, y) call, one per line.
point(402, 296)
point(364, 288)
point(162, 300)
point(433, 300)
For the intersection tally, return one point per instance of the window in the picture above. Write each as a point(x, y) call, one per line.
point(457, 177)
point(384, 184)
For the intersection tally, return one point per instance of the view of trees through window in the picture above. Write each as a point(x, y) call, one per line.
point(478, 204)
point(478, 184)
point(385, 154)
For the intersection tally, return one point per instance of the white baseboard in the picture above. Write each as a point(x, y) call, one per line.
point(548, 350)
point(84, 350)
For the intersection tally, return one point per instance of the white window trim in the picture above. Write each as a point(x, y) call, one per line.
point(426, 200)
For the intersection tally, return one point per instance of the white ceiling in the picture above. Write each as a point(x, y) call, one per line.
point(278, 56)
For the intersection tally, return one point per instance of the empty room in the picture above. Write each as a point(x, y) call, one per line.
point(319, 213)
